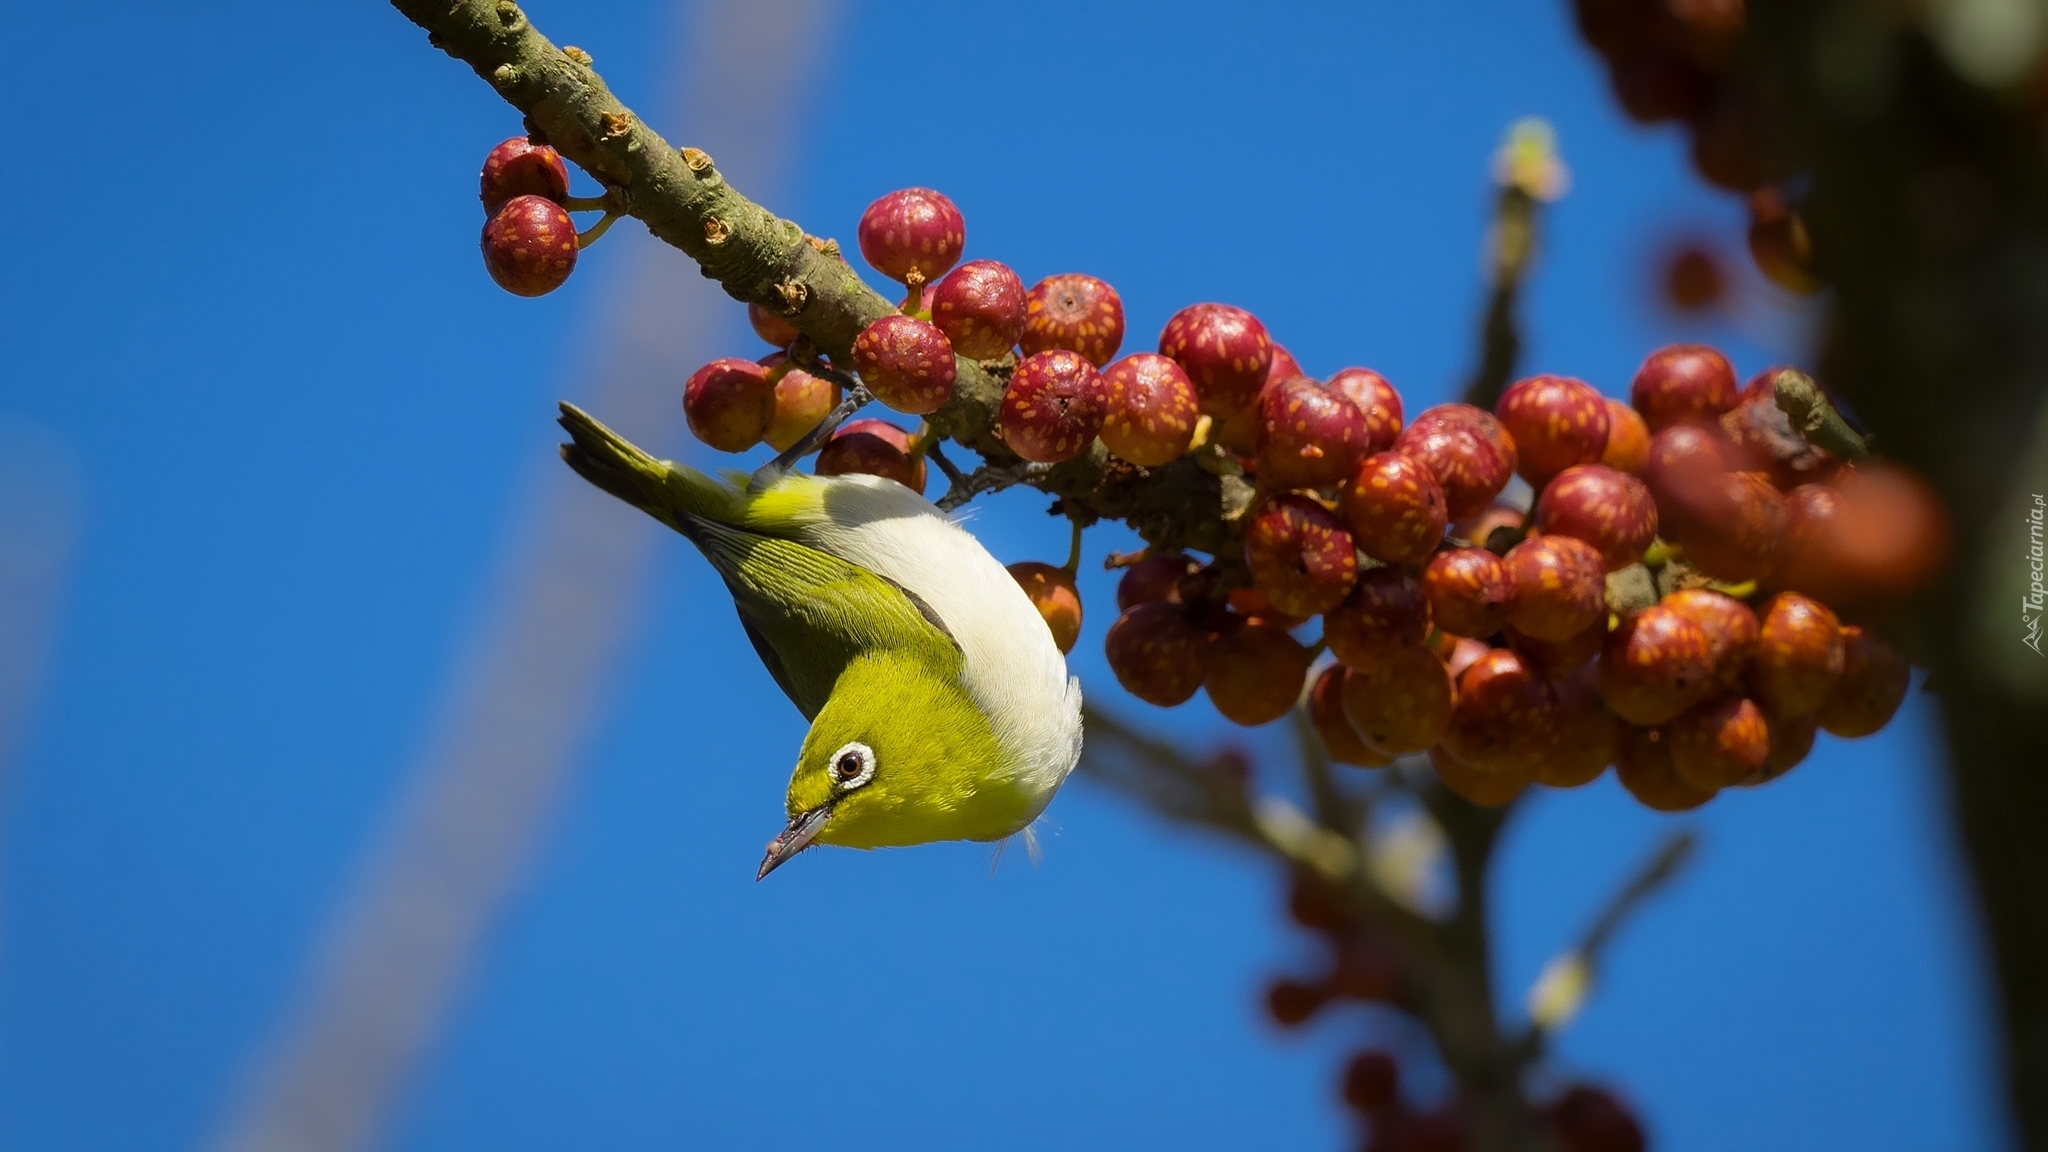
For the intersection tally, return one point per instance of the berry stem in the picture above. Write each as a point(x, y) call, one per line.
point(1073, 564)
point(603, 203)
point(590, 235)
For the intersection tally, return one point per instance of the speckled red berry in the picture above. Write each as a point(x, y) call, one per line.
point(873, 448)
point(1157, 653)
point(1684, 464)
point(906, 362)
point(1799, 654)
point(1402, 706)
point(1468, 590)
point(1628, 438)
point(1719, 743)
point(1395, 508)
point(1731, 630)
point(801, 400)
point(1157, 577)
point(1683, 383)
point(1560, 586)
point(1870, 689)
point(729, 403)
point(1075, 312)
point(1457, 450)
point(1052, 592)
point(914, 232)
point(1654, 665)
point(1255, 674)
point(1053, 407)
point(1224, 350)
point(770, 327)
point(1326, 715)
point(1732, 530)
point(1588, 735)
point(1559, 659)
point(1299, 555)
point(1505, 719)
point(1377, 399)
point(980, 308)
point(1610, 510)
point(1152, 409)
point(519, 167)
point(1384, 614)
point(1645, 770)
point(1556, 422)
point(530, 246)
point(1308, 436)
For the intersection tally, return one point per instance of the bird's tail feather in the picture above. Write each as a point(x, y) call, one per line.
point(667, 491)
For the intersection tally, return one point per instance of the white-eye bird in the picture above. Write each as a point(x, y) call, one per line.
point(940, 707)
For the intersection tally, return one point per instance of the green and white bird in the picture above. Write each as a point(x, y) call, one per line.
point(940, 707)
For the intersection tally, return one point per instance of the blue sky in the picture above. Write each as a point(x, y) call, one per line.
point(296, 430)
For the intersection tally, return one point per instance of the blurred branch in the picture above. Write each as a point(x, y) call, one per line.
point(1529, 173)
point(1562, 988)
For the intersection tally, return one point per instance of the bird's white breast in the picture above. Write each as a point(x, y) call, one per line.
point(1013, 670)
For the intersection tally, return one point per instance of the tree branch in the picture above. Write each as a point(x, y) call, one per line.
point(763, 259)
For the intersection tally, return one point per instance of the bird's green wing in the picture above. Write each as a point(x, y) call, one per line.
point(809, 613)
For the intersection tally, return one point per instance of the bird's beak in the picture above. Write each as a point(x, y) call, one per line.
point(803, 828)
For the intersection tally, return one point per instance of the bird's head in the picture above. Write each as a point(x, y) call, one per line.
point(899, 755)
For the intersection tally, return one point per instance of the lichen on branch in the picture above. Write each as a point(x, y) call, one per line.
point(760, 258)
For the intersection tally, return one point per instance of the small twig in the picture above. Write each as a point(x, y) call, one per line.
point(1814, 418)
point(990, 478)
point(1567, 979)
point(1116, 560)
point(937, 456)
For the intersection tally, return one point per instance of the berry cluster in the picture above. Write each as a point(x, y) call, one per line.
point(1673, 60)
point(1365, 967)
point(1668, 602)
point(529, 243)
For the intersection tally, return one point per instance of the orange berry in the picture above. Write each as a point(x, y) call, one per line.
point(1404, 705)
point(1870, 689)
point(1719, 743)
point(1255, 674)
point(1799, 655)
point(1384, 614)
point(1645, 770)
point(1326, 714)
point(1157, 653)
point(1052, 592)
point(1654, 665)
point(1560, 587)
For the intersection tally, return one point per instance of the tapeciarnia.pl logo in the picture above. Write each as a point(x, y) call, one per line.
point(2037, 597)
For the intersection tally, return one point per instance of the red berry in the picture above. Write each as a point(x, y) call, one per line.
point(1719, 743)
point(1384, 614)
point(1157, 653)
point(1654, 665)
point(1395, 509)
point(1871, 687)
point(1299, 555)
point(1155, 578)
point(1645, 770)
point(980, 308)
point(1052, 592)
point(1372, 1083)
point(1255, 674)
point(1588, 735)
point(1558, 659)
point(1683, 383)
point(1486, 787)
point(1890, 536)
point(1318, 905)
point(1467, 463)
point(1560, 587)
point(1588, 1119)
point(519, 167)
point(1731, 630)
point(1684, 463)
point(1479, 420)
point(913, 232)
point(1807, 559)
point(1733, 530)
point(1326, 714)
point(1252, 604)
point(1779, 243)
point(1791, 741)
point(729, 403)
point(875, 448)
point(801, 400)
point(1693, 280)
point(1468, 590)
point(1799, 655)
point(1225, 351)
point(1309, 436)
point(1075, 312)
point(1402, 706)
point(1152, 409)
point(1290, 1003)
point(1628, 438)
point(906, 362)
point(1506, 717)
point(1556, 422)
point(1610, 510)
point(530, 246)
point(1053, 407)
point(1377, 399)
point(770, 327)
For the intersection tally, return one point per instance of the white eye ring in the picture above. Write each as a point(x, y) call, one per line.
point(852, 766)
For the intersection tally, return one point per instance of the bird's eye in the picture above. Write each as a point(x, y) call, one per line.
point(853, 766)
